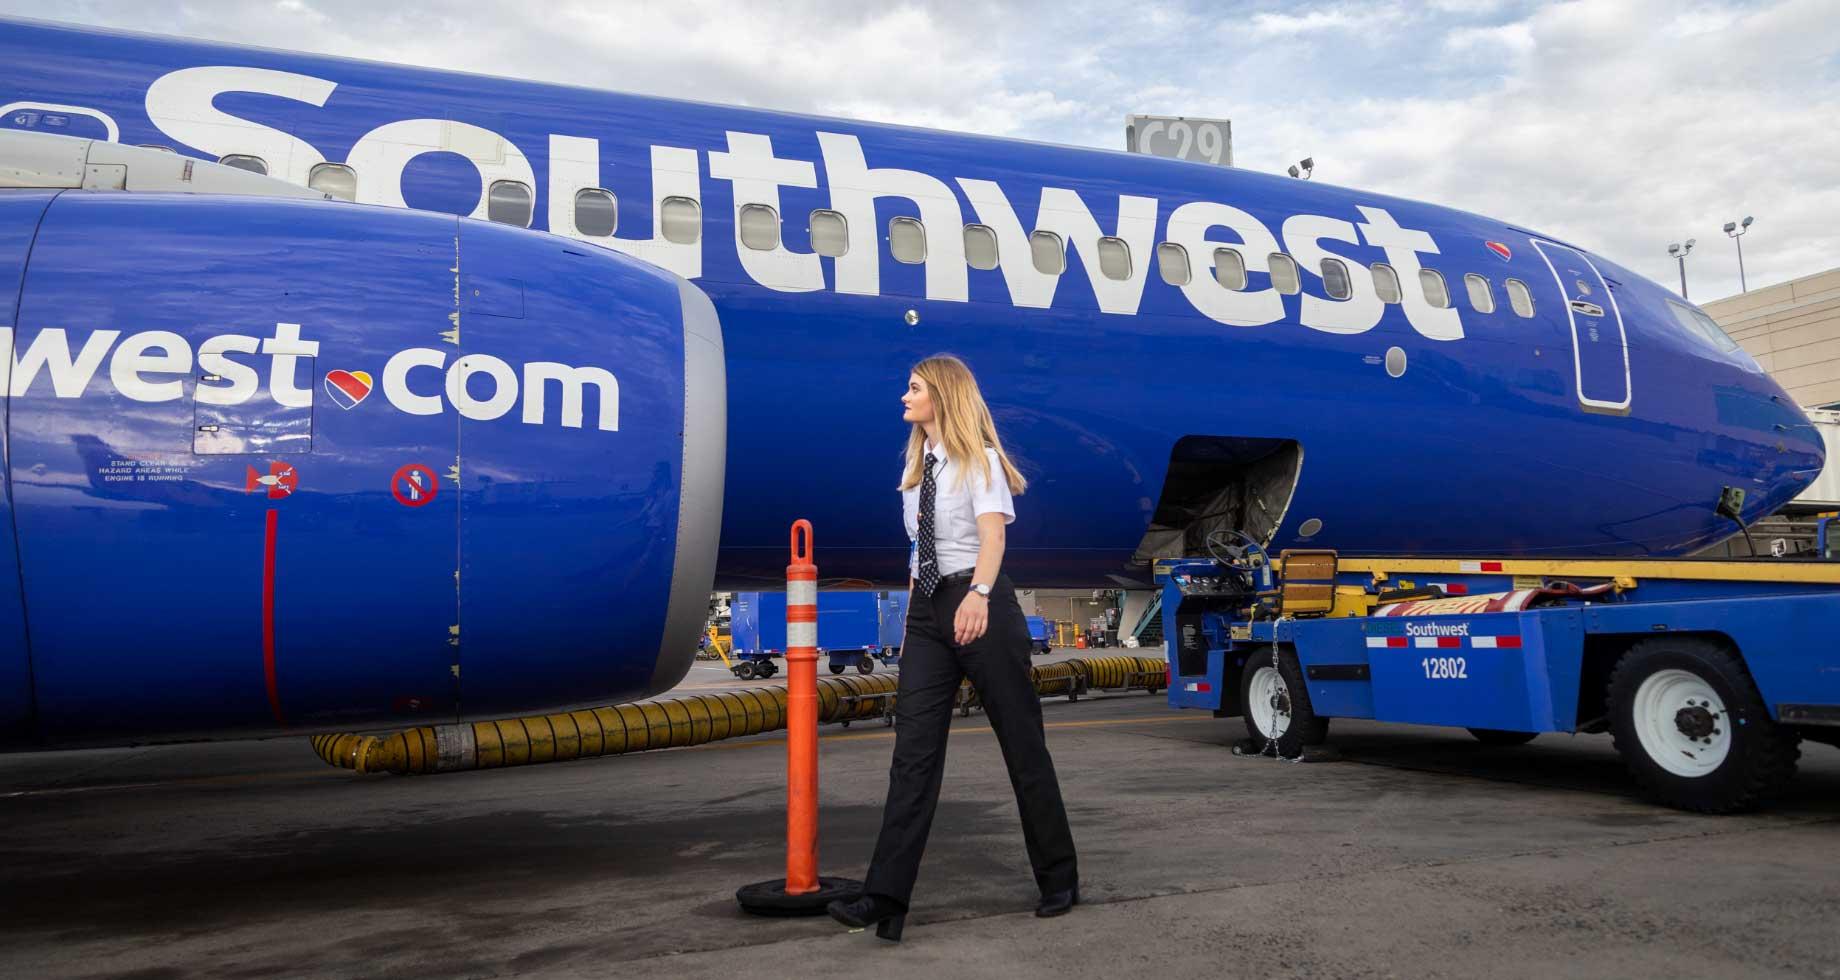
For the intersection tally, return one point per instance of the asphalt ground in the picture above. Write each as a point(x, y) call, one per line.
point(1420, 854)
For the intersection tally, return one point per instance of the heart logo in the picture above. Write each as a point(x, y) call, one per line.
point(1499, 249)
point(348, 388)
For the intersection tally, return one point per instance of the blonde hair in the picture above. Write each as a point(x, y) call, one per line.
point(964, 422)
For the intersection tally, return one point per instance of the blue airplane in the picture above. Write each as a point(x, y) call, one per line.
point(357, 443)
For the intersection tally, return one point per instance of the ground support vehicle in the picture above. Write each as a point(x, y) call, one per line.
point(892, 608)
point(715, 644)
point(1041, 635)
point(1708, 674)
point(849, 632)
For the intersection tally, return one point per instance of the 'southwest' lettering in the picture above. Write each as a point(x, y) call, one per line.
point(180, 104)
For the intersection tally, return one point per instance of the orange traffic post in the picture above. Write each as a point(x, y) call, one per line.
point(802, 891)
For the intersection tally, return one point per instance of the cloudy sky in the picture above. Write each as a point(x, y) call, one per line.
point(1623, 126)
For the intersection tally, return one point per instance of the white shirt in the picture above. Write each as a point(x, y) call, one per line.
point(956, 507)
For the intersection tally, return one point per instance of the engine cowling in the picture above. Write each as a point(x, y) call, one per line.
point(288, 465)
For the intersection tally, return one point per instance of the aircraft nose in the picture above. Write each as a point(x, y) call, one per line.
point(1800, 447)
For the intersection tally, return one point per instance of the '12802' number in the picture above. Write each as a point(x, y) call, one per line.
point(1446, 668)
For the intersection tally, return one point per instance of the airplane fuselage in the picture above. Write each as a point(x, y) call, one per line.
point(1584, 414)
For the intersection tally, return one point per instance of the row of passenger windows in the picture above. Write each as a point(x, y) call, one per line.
point(1047, 253)
point(597, 215)
point(508, 202)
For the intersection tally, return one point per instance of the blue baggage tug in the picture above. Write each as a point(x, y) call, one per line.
point(1708, 674)
point(1041, 635)
point(853, 630)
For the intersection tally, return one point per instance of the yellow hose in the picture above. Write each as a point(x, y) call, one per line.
point(673, 722)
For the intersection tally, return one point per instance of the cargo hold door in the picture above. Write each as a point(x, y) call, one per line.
point(1600, 347)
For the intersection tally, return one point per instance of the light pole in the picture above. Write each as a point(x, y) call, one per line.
point(1680, 252)
point(1307, 163)
point(1736, 230)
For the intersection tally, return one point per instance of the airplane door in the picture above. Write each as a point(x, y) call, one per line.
point(1600, 346)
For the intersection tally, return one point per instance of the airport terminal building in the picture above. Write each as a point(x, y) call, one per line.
point(1793, 330)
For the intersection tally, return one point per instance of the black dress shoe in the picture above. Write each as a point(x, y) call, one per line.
point(885, 914)
point(1058, 903)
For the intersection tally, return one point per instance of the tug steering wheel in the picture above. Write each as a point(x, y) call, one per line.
point(1238, 559)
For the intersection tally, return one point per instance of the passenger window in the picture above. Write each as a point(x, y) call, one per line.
point(1386, 282)
point(1335, 279)
point(1114, 258)
point(1433, 284)
point(1520, 297)
point(334, 178)
point(680, 219)
point(1229, 268)
point(597, 213)
point(1172, 261)
point(981, 247)
point(509, 202)
point(759, 227)
point(907, 240)
point(830, 233)
point(1284, 274)
point(1048, 253)
point(243, 161)
point(1481, 294)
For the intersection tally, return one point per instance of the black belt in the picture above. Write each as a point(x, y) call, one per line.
point(957, 578)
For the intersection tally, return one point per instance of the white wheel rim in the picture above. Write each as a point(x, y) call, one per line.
point(1262, 696)
point(1669, 699)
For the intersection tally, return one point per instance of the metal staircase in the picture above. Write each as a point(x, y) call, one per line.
point(1149, 628)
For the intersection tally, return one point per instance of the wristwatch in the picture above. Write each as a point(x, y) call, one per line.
point(983, 590)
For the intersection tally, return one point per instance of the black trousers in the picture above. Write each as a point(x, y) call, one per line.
point(932, 666)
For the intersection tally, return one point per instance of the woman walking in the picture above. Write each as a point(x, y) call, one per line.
point(963, 620)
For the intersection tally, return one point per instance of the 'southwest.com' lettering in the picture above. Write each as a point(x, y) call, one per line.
point(152, 365)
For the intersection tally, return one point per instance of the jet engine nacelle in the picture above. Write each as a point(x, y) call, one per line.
point(281, 465)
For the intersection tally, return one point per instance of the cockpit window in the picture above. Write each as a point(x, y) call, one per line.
point(1697, 322)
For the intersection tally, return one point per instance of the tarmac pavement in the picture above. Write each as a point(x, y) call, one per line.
point(1421, 854)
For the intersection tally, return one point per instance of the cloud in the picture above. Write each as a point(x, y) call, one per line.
point(1314, 21)
point(1515, 39)
point(1618, 124)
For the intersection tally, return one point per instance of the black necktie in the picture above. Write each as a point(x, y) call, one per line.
point(928, 579)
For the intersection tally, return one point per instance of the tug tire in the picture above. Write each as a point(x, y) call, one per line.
point(1693, 729)
point(1278, 687)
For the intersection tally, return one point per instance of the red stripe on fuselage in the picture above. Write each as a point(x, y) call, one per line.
point(268, 616)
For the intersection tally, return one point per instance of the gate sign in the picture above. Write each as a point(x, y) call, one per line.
point(1181, 137)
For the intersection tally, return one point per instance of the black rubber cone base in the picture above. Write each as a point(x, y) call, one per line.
point(770, 898)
